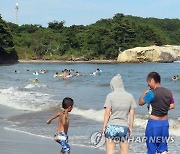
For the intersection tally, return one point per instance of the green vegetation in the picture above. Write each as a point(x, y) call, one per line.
point(101, 40)
point(7, 50)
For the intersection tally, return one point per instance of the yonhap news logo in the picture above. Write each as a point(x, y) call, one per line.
point(98, 139)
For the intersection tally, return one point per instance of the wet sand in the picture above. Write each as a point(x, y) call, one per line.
point(14, 142)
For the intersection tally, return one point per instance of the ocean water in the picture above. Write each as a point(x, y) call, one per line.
point(37, 102)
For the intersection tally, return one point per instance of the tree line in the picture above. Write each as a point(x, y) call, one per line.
point(101, 40)
point(7, 48)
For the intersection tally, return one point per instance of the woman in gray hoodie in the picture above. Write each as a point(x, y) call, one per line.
point(119, 109)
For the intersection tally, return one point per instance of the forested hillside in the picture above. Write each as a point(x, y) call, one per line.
point(7, 50)
point(101, 40)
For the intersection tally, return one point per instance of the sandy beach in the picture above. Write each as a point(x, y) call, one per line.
point(66, 61)
point(21, 143)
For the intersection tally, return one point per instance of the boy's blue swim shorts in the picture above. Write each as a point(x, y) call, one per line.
point(157, 134)
point(62, 139)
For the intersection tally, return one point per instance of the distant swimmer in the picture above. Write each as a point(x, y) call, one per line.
point(62, 74)
point(56, 75)
point(175, 78)
point(97, 72)
point(42, 71)
point(36, 73)
point(35, 80)
point(71, 70)
point(69, 75)
point(77, 73)
point(17, 72)
point(65, 73)
point(100, 72)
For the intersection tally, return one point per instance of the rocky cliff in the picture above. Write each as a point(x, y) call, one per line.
point(167, 53)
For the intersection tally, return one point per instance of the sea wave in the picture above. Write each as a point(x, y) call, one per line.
point(36, 101)
point(26, 100)
point(140, 120)
point(92, 114)
point(36, 85)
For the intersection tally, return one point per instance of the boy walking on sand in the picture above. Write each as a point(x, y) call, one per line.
point(63, 124)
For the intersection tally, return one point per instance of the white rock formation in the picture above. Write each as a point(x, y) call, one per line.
point(167, 53)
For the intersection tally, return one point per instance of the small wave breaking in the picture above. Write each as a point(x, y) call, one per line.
point(25, 100)
point(36, 101)
point(36, 85)
point(140, 120)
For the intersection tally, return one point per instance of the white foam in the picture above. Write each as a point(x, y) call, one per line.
point(30, 86)
point(24, 100)
point(139, 121)
point(34, 101)
point(174, 127)
point(96, 115)
point(20, 131)
point(35, 85)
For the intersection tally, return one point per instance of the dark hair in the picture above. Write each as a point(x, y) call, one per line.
point(67, 102)
point(155, 76)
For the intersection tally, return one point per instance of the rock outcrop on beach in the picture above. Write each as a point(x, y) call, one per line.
point(167, 53)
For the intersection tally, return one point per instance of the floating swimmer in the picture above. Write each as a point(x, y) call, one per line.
point(56, 75)
point(35, 80)
point(71, 70)
point(97, 72)
point(77, 73)
point(68, 76)
point(100, 72)
point(63, 73)
point(16, 71)
point(42, 71)
point(36, 73)
point(175, 78)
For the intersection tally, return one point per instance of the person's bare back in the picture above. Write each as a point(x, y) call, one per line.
point(63, 124)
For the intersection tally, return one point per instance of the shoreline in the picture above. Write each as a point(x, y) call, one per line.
point(21, 143)
point(73, 62)
point(67, 61)
point(17, 142)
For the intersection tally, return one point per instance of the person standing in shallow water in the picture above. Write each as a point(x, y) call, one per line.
point(160, 100)
point(119, 105)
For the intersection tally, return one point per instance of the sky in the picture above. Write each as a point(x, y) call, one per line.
point(84, 12)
